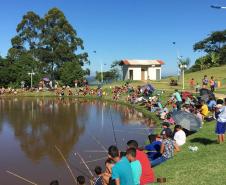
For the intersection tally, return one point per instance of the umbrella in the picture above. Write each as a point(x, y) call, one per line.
point(149, 87)
point(187, 120)
point(46, 79)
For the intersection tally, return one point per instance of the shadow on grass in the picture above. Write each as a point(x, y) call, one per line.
point(204, 141)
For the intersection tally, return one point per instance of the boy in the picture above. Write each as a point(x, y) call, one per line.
point(221, 123)
point(179, 136)
point(99, 179)
point(147, 176)
point(81, 180)
point(135, 165)
point(121, 171)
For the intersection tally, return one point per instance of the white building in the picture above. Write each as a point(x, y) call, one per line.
point(142, 69)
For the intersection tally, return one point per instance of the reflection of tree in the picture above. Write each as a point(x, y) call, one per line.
point(40, 124)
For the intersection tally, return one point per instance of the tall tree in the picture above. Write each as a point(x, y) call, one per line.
point(59, 41)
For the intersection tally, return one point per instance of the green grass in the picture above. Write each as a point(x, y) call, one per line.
point(207, 166)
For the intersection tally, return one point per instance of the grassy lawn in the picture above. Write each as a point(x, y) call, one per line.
point(207, 166)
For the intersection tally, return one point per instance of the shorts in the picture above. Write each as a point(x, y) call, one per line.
point(220, 128)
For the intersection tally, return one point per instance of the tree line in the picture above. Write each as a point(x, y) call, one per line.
point(214, 49)
point(49, 46)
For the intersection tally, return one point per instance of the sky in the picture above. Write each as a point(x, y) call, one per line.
point(126, 29)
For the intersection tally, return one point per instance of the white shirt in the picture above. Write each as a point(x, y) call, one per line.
point(180, 137)
point(222, 115)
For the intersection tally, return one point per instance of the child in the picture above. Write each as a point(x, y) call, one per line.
point(135, 165)
point(81, 180)
point(54, 182)
point(99, 179)
point(197, 88)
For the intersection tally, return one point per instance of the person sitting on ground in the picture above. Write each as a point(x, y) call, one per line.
point(204, 109)
point(99, 179)
point(81, 180)
point(167, 149)
point(135, 165)
point(121, 171)
point(147, 175)
point(153, 149)
point(211, 104)
point(166, 126)
point(221, 123)
point(107, 179)
point(54, 182)
point(179, 136)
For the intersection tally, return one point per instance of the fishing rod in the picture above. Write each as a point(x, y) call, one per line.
point(113, 128)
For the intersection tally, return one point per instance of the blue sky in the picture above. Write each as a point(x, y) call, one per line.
point(119, 29)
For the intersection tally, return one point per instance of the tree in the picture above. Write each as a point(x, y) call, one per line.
point(116, 69)
point(71, 71)
point(213, 43)
point(48, 42)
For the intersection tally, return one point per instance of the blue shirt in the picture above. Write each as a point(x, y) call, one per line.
point(154, 150)
point(122, 171)
point(211, 104)
point(137, 171)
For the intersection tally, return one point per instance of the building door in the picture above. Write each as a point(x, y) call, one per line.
point(158, 75)
point(131, 74)
point(142, 74)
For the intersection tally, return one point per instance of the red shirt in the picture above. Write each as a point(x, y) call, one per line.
point(147, 175)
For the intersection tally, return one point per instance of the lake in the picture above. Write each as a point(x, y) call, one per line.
point(32, 128)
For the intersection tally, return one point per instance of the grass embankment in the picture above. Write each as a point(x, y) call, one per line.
point(207, 166)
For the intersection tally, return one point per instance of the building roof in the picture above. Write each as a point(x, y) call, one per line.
point(141, 62)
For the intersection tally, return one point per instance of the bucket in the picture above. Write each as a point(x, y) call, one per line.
point(161, 180)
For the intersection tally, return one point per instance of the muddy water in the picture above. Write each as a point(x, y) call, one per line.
point(30, 128)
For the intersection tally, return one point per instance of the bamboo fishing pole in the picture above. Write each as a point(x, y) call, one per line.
point(83, 161)
point(68, 166)
point(99, 143)
point(20, 177)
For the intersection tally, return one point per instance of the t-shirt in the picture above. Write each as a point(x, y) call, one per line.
point(147, 175)
point(154, 150)
point(177, 96)
point(222, 115)
point(99, 181)
point(169, 148)
point(204, 110)
point(211, 104)
point(122, 171)
point(180, 137)
point(136, 171)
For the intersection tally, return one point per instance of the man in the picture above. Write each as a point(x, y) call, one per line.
point(121, 171)
point(178, 98)
point(135, 165)
point(221, 123)
point(153, 149)
point(166, 126)
point(147, 176)
point(179, 136)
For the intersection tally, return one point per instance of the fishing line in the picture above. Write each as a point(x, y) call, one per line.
point(113, 128)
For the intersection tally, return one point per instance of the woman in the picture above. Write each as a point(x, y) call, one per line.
point(167, 148)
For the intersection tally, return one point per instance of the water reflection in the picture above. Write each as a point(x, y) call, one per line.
point(38, 124)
